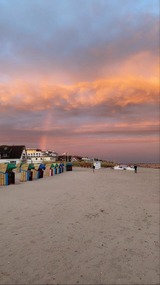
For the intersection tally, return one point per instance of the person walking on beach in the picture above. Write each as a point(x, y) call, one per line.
point(93, 167)
point(135, 168)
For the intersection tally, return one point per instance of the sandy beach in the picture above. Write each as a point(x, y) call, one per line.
point(81, 227)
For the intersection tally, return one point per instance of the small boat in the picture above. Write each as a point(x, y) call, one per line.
point(130, 167)
point(119, 167)
point(123, 167)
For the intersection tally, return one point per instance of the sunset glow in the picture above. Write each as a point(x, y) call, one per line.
point(81, 76)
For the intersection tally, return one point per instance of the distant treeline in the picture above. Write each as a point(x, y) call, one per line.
point(89, 164)
point(149, 165)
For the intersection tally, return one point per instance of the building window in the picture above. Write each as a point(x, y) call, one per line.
point(5, 155)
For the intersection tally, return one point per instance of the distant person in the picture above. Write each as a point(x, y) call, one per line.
point(135, 168)
point(93, 167)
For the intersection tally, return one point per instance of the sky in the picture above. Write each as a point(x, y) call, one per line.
point(81, 76)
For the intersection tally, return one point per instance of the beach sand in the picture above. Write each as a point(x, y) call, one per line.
point(81, 227)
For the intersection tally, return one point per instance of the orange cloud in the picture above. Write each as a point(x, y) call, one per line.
point(125, 103)
point(120, 91)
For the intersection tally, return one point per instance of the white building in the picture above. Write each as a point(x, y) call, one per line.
point(35, 155)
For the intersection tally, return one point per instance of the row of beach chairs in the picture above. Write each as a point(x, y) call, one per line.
point(29, 172)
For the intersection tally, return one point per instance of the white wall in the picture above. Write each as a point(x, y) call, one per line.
point(97, 164)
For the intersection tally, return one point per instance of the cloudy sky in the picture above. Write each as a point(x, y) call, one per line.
point(81, 76)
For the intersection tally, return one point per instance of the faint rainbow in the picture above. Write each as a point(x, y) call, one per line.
point(46, 127)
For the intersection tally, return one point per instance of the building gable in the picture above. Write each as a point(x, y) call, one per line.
point(11, 152)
